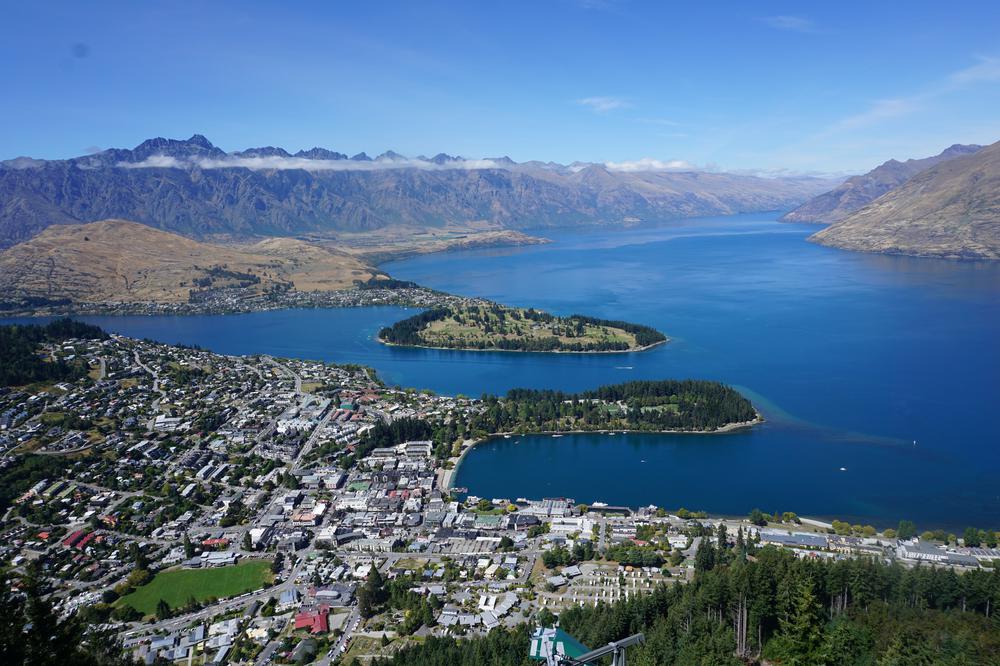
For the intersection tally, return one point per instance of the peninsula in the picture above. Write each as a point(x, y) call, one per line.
point(484, 326)
point(669, 405)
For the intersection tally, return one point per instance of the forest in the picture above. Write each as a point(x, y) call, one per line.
point(663, 405)
point(20, 362)
point(748, 605)
point(407, 331)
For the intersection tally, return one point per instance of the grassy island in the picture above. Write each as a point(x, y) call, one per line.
point(494, 327)
point(653, 406)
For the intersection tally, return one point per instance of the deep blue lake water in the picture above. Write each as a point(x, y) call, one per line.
point(851, 357)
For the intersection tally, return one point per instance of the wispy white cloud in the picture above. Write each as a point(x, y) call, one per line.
point(604, 104)
point(154, 162)
point(278, 163)
point(882, 109)
point(790, 23)
point(987, 69)
point(649, 164)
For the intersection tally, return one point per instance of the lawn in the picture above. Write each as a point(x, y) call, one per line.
point(177, 586)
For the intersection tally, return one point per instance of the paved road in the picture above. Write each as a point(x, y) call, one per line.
point(296, 376)
point(156, 385)
point(350, 626)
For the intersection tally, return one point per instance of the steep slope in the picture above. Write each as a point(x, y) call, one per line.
point(115, 260)
point(950, 210)
point(193, 188)
point(858, 191)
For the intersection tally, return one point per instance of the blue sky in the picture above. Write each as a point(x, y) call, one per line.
point(804, 87)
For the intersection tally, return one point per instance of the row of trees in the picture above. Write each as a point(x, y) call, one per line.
point(644, 335)
point(20, 362)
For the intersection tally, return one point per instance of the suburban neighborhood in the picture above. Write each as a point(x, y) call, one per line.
point(215, 509)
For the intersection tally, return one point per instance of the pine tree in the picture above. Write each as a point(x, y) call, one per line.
point(802, 633)
point(162, 609)
point(704, 559)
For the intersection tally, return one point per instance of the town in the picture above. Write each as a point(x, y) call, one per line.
point(235, 299)
point(217, 509)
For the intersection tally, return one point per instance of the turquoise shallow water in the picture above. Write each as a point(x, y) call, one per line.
point(851, 357)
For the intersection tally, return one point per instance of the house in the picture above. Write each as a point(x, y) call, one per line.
point(314, 621)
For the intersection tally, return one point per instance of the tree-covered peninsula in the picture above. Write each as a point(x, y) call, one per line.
point(654, 406)
point(495, 327)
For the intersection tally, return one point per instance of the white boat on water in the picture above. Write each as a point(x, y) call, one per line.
point(557, 435)
point(506, 436)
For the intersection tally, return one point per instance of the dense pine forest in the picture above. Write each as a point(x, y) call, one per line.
point(642, 405)
point(749, 606)
point(20, 362)
point(407, 331)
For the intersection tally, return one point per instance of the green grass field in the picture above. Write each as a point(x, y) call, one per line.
point(177, 586)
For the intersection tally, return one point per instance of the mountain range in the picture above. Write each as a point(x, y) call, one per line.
point(859, 191)
point(194, 188)
point(951, 209)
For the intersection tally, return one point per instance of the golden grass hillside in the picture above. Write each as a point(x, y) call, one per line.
point(122, 261)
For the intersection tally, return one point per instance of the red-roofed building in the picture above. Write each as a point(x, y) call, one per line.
point(73, 538)
point(314, 621)
point(215, 543)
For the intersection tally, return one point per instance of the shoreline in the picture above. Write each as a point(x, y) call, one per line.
point(449, 475)
point(636, 350)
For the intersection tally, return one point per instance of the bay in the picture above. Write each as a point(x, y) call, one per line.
point(885, 366)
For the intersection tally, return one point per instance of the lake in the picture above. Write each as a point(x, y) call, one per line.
point(887, 367)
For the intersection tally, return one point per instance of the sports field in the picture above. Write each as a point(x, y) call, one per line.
point(178, 586)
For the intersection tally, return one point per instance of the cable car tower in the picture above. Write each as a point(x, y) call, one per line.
point(555, 647)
